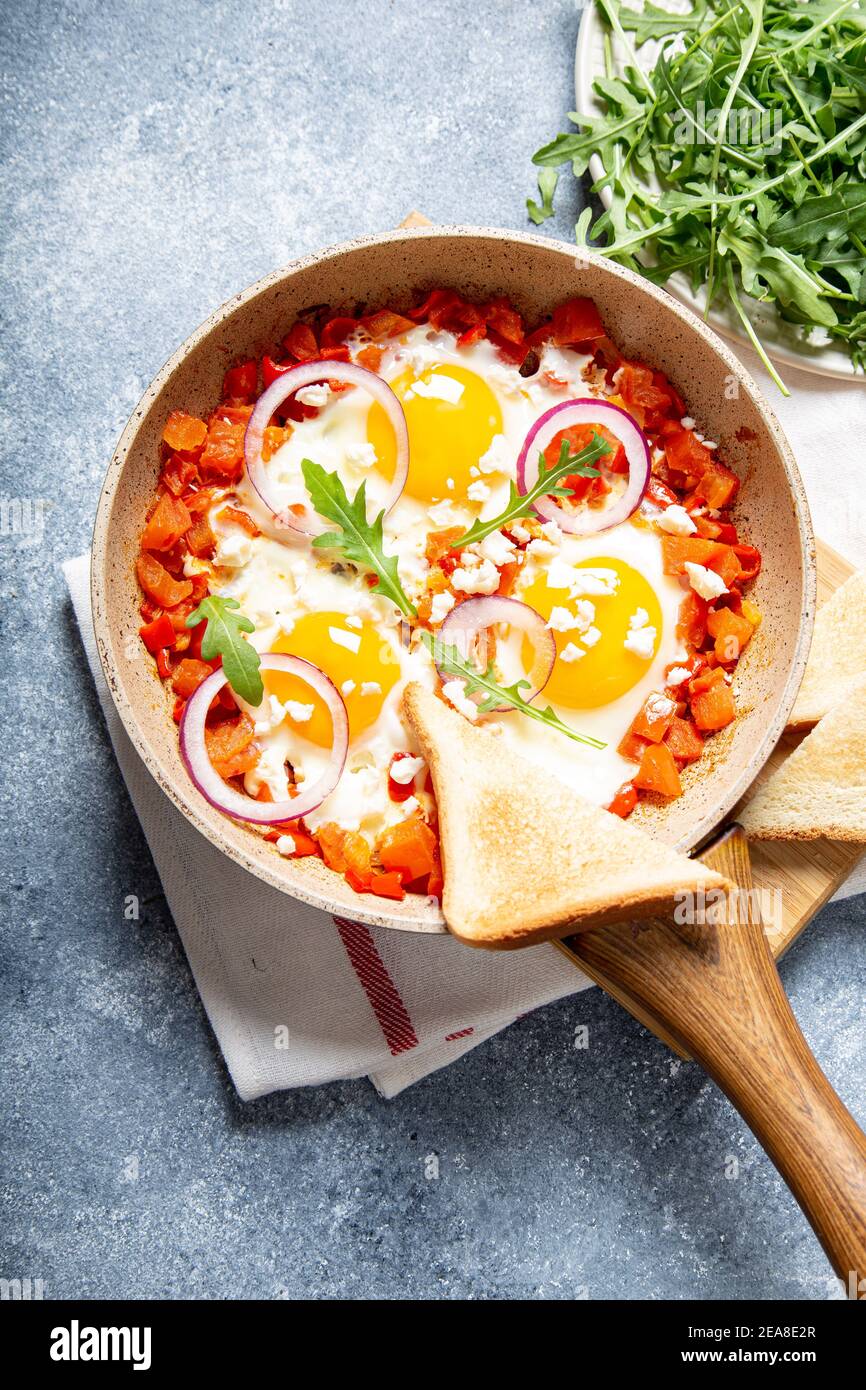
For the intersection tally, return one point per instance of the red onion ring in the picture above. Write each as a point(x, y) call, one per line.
point(474, 615)
point(587, 411)
point(214, 789)
point(306, 374)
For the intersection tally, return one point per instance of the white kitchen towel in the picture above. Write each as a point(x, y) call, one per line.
point(296, 998)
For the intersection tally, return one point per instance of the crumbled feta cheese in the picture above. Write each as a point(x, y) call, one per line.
point(497, 548)
point(441, 606)
point(639, 618)
point(658, 707)
point(481, 579)
point(551, 532)
point(361, 455)
point(442, 514)
point(350, 640)
point(676, 521)
point(286, 845)
point(299, 712)
point(405, 770)
point(706, 583)
point(709, 443)
point(455, 694)
point(677, 674)
point(641, 641)
point(687, 422)
point(449, 483)
point(354, 621)
point(563, 620)
point(271, 717)
point(494, 460)
point(571, 653)
point(590, 637)
point(478, 492)
point(233, 550)
point(520, 533)
point(371, 688)
point(408, 807)
point(582, 581)
point(474, 472)
point(541, 546)
point(439, 388)
point(347, 687)
point(317, 394)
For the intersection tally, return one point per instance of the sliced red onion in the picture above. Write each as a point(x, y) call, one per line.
point(475, 615)
point(305, 374)
point(218, 792)
point(589, 411)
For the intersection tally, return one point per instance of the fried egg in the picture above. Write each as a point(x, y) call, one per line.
point(610, 607)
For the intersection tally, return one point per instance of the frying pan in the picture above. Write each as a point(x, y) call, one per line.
point(536, 273)
point(711, 991)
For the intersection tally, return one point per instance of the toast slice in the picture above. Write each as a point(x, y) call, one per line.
point(838, 655)
point(524, 857)
point(820, 790)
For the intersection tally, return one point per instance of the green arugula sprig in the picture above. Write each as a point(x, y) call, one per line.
point(224, 637)
point(770, 203)
point(451, 663)
point(546, 485)
point(360, 541)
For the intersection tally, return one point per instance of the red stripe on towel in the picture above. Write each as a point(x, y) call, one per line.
point(378, 986)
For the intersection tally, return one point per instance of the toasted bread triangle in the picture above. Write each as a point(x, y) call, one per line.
point(838, 655)
point(820, 790)
point(524, 857)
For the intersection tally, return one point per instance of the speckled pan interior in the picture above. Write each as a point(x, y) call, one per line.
point(536, 274)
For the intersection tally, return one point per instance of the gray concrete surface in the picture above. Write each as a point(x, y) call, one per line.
point(158, 157)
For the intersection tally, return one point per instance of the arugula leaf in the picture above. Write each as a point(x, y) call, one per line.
point(360, 541)
point(547, 181)
point(224, 637)
point(521, 503)
point(739, 161)
point(449, 661)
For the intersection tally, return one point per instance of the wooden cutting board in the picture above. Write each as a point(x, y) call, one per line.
point(801, 874)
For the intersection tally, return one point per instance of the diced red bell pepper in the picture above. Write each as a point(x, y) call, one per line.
point(157, 634)
point(241, 381)
point(185, 433)
point(188, 675)
point(577, 321)
point(684, 741)
point(625, 801)
point(300, 342)
point(388, 885)
point(658, 771)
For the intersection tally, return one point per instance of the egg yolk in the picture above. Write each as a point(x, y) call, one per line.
point(608, 669)
point(449, 429)
point(359, 655)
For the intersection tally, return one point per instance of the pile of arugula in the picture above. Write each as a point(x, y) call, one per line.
point(767, 198)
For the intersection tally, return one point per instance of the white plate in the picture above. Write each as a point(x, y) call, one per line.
point(780, 339)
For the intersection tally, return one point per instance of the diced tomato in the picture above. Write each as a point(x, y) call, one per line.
point(516, 353)
point(504, 319)
point(658, 771)
point(169, 520)
point(645, 400)
point(162, 664)
point(183, 432)
point(388, 886)
point(653, 719)
point(726, 565)
point(230, 746)
point(178, 474)
point(542, 334)
point(577, 321)
point(685, 454)
point(718, 486)
point(271, 370)
point(408, 848)
point(300, 342)
point(625, 800)
point(201, 539)
point(692, 624)
point(684, 741)
point(631, 747)
point(676, 550)
point(750, 562)
point(188, 675)
point(337, 330)
point(240, 518)
point(159, 633)
point(660, 493)
point(473, 334)
point(385, 324)
point(158, 584)
point(224, 448)
point(370, 357)
point(578, 437)
point(241, 381)
point(732, 633)
point(712, 709)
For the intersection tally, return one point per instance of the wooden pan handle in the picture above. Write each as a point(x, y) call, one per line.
point(715, 992)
